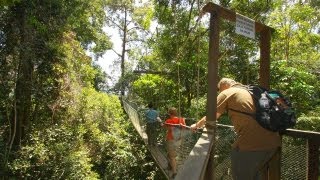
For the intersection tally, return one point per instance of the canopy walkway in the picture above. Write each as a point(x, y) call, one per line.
point(206, 154)
point(299, 151)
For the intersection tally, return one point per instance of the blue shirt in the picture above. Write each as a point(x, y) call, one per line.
point(151, 115)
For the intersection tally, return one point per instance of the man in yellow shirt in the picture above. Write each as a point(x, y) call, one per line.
point(254, 145)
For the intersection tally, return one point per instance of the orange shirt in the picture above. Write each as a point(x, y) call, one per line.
point(173, 120)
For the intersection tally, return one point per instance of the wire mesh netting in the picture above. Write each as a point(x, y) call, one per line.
point(222, 163)
point(293, 155)
point(293, 158)
point(293, 150)
point(188, 138)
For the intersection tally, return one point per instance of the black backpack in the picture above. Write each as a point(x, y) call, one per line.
point(274, 112)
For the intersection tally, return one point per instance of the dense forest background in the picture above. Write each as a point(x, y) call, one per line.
point(60, 119)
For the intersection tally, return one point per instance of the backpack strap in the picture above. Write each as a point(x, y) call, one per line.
point(246, 113)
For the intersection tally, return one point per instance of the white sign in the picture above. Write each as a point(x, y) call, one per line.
point(245, 26)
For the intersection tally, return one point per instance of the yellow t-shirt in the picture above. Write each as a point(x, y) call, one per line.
point(250, 135)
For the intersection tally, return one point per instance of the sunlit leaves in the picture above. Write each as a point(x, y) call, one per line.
point(300, 86)
point(157, 89)
point(309, 122)
point(296, 38)
point(4, 3)
point(296, 41)
point(143, 16)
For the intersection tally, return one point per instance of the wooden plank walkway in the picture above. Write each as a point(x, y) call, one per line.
point(157, 152)
point(158, 156)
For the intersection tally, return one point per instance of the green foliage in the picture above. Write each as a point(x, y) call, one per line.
point(39, 158)
point(74, 131)
point(128, 18)
point(295, 42)
point(310, 121)
point(295, 39)
point(176, 51)
point(101, 119)
point(143, 16)
point(4, 3)
point(198, 108)
point(92, 142)
point(300, 86)
point(87, 20)
point(254, 9)
point(100, 79)
point(154, 88)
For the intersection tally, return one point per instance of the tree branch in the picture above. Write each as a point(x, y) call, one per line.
point(116, 52)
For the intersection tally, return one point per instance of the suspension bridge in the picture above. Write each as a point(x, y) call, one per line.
point(206, 154)
point(299, 157)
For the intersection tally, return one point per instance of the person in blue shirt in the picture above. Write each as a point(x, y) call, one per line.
point(152, 118)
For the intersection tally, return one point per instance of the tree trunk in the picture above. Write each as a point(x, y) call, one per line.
point(21, 117)
point(123, 53)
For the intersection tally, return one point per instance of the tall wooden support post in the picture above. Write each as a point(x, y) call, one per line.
point(313, 159)
point(200, 163)
point(265, 45)
point(274, 171)
point(212, 85)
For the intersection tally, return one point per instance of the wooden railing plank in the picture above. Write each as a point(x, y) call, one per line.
point(196, 163)
point(303, 134)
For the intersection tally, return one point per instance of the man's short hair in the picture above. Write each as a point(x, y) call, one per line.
point(227, 81)
point(150, 105)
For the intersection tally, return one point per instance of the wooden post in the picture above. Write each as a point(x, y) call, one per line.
point(313, 159)
point(265, 58)
point(212, 84)
point(197, 156)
